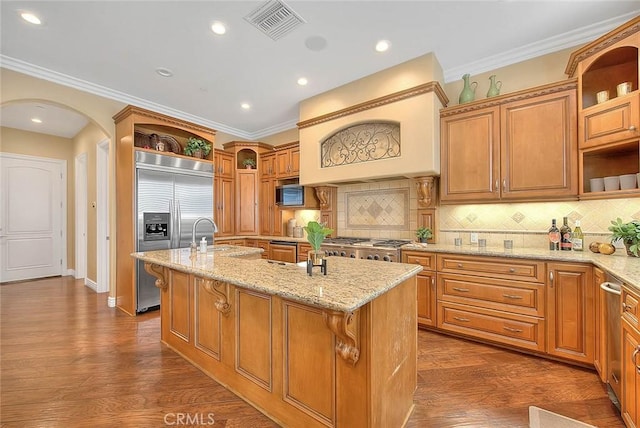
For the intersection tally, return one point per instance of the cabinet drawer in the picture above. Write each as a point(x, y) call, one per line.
point(492, 267)
point(511, 329)
point(426, 260)
point(526, 298)
point(630, 308)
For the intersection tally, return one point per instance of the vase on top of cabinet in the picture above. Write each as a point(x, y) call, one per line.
point(468, 93)
point(494, 87)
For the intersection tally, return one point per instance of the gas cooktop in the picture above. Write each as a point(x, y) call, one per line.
point(367, 242)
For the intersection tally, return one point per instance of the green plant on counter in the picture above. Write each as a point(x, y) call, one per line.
point(194, 144)
point(424, 233)
point(316, 234)
point(249, 162)
point(628, 233)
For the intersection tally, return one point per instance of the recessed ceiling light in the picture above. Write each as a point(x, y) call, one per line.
point(36, 120)
point(30, 17)
point(302, 81)
point(245, 106)
point(218, 28)
point(383, 45)
point(164, 72)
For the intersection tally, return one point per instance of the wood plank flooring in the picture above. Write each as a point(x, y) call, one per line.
point(67, 360)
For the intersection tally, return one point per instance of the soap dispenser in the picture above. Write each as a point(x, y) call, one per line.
point(203, 245)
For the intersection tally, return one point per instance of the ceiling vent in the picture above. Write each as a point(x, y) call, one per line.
point(274, 18)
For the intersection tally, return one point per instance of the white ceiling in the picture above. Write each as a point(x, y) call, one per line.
point(112, 48)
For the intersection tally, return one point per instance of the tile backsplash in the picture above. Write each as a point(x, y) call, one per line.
point(388, 209)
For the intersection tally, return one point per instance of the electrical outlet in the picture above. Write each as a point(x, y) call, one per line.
point(474, 238)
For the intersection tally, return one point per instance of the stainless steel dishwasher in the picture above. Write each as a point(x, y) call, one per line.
point(613, 338)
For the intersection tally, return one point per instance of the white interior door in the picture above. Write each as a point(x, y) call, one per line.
point(31, 217)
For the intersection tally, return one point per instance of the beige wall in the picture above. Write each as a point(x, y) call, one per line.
point(523, 75)
point(47, 146)
point(86, 142)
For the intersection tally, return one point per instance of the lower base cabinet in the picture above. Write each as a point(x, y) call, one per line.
point(546, 308)
point(630, 400)
point(426, 286)
point(571, 312)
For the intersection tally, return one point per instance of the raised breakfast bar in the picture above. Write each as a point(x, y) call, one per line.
point(313, 351)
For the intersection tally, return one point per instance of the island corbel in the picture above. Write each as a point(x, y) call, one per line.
point(345, 325)
point(159, 272)
point(220, 290)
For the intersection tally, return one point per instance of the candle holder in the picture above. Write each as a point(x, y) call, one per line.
point(316, 258)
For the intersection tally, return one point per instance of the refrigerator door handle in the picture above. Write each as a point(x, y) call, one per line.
point(178, 222)
point(172, 223)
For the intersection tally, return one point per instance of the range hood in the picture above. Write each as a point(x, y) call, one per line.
point(408, 96)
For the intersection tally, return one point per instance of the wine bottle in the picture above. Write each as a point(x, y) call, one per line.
point(578, 237)
point(565, 235)
point(554, 236)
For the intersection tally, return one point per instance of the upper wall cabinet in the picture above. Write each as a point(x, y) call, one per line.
point(608, 108)
point(288, 161)
point(521, 146)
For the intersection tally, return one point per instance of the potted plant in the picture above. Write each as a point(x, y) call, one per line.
point(249, 163)
point(423, 234)
point(197, 148)
point(628, 233)
point(315, 235)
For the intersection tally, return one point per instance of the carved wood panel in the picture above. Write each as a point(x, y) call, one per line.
point(180, 309)
point(254, 337)
point(207, 327)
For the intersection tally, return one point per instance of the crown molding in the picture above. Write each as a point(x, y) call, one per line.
point(542, 47)
point(102, 91)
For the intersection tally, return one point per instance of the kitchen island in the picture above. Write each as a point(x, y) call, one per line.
point(312, 351)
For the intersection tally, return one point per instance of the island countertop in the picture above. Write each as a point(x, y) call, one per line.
point(348, 285)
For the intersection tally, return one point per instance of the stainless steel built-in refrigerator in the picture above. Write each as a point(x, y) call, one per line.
point(171, 193)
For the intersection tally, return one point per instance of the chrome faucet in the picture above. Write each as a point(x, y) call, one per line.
point(194, 244)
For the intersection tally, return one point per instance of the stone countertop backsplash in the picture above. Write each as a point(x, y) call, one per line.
point(619, 264)
point(348, 285)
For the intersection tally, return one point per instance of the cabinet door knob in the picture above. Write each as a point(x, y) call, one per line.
point(497, 185)
point(504, 185)
point(551, 278)
point(632, 128)
point(460, 265)
point(512, 270)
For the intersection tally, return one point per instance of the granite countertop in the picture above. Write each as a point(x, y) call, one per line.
point(618, 264)
point(348, 285)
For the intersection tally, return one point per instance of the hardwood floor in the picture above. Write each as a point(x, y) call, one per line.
point(67, 360)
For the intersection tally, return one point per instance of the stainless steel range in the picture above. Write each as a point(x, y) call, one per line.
point(387, 250)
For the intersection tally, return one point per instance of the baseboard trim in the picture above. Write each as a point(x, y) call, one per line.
point(91, 284)
point(71, 272)
point(111, 302)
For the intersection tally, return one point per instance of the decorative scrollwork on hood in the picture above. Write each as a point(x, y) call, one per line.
point(364, 142)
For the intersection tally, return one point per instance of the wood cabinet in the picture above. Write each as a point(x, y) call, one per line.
point(426, 285)
point(303, 251)
point(133, 123)
point(494, 299)
point(609, 131)
point(224, 192)
point(328, 199)
point(246, 202)
point(570, 312)
point(520, 146)
point(630, 400)
point(266, 165)
point(283, 253)
point(288, 161)
point(223, 163)
point(271, 222)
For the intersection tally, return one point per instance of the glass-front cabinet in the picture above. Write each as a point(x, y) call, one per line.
point(609, 113)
